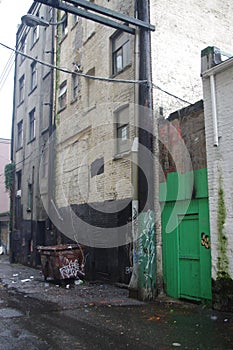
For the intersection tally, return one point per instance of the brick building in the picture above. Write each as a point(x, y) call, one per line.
point(78, 169)
point(217, 74)
point(184, 204)
point(31, 128)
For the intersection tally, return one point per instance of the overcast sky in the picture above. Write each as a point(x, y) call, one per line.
point(10, 18)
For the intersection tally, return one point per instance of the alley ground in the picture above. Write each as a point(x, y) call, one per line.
point(35, 314)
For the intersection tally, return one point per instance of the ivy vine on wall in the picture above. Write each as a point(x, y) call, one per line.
point(9, 176)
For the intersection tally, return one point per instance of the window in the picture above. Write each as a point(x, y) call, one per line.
point(50, 14)
point(18, 180)
point(64, 26)
point(62, 97)
point(88, 29)
point(35, 34)
point(22, 48)
point(45, 161)
point(33, 75)
point(74, 20)
point(74, 86)
point(32, 124)
point(122, 130)
point(120, 52)
point(20, 134)
point(97, 167)
point(21, 89)
point(91, 89)
point(29, 204)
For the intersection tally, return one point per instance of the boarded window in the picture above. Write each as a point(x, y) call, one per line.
point(97, 167)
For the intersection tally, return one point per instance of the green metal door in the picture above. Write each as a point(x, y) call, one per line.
point(186, 238)
point(189, 257)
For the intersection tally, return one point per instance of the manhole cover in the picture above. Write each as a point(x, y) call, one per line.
point(10, 313)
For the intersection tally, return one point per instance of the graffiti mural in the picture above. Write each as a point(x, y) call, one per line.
point(147, 253)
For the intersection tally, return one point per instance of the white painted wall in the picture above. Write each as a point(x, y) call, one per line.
point(220, 159)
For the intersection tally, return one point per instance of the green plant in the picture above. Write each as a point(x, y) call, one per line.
point(223, 262)
point(9, 176)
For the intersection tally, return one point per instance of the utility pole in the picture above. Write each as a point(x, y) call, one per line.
point(146, 184)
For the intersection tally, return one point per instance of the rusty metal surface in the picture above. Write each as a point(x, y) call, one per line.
point(62, 261)
point(59, 247)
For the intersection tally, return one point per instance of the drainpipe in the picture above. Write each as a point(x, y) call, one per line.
point(214, 109)
point(133, 284)
point(51, 160)
point(33, 236)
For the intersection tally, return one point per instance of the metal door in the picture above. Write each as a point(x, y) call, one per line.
point(189, 257)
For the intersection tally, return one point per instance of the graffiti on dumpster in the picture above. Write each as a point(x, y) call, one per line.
point(71, 269)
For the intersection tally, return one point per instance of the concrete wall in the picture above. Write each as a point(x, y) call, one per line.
point(183, 29)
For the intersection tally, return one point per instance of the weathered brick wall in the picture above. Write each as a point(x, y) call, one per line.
point(220, 170)
point(182, 139)
point(85, 130)
point(183, 29)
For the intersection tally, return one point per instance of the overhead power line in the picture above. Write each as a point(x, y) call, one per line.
point(170, 94)
point(111, 80)
point(6, 70)
point(66, 70)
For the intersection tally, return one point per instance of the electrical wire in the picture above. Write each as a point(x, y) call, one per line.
point(6, 70)
point(112, 80)
point(170, 94)
point(66, 70)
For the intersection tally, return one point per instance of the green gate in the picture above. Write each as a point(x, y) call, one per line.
point(186, 238)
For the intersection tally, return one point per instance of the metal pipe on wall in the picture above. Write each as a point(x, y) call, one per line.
point(214, 109)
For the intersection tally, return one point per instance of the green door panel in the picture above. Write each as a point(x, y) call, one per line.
point(186, 262)
point(189, 257)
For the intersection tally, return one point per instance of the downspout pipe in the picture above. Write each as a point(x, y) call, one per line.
point(133, 283)
point(214, 110)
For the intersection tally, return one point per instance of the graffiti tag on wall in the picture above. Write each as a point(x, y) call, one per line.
point(147, 252)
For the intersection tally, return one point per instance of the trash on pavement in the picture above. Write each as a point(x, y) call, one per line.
point(78, 282)
point(213, 318)
point(26, 280)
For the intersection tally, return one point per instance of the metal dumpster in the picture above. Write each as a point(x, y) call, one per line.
point(62, 261)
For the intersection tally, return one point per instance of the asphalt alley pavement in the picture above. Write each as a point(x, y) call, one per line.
point(35, 314)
